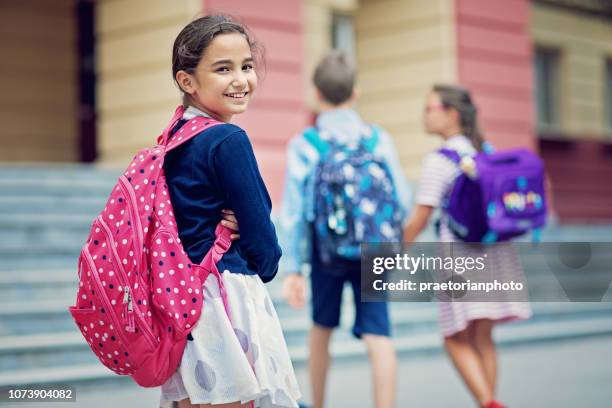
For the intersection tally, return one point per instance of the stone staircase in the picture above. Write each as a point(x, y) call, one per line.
point(45, 213)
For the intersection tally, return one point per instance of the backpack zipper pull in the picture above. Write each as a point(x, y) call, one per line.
point(129, 310)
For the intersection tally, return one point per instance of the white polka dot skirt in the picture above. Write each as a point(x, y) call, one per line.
point(245, 359)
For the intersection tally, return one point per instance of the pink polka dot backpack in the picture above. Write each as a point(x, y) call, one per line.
point(139, 296)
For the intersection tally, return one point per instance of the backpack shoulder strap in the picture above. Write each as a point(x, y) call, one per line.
point(450, 154)
point(162, 139)
point(190, 129)
point(312, 136)
point(371, 142)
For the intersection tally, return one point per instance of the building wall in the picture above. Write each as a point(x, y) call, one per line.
point(494, 51)
point(579, 171)
point(577, 154)
point(317, 35)
point(584, 42)
point(403, 48)
point(38, 80)
point(136, 93)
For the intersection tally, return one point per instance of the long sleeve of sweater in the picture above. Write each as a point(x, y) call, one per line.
point(246, 194)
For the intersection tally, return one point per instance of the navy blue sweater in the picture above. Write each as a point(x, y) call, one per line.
point(214, 170)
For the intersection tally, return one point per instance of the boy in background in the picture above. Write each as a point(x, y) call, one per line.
point(339, 124)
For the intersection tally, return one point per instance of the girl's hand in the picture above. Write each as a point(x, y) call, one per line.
point(230, 221)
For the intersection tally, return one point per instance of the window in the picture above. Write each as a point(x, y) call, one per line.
point(608, 90)
point(547, 87)
point(343, 34)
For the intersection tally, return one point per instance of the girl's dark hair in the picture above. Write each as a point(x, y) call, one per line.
point(454, 96)
point(193, 40)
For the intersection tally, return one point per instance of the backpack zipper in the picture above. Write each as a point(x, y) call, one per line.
point(129, 309)
point(127, 297)
point(110, 311)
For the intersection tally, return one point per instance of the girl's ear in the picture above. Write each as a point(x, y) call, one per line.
point(356, 94)
point(319, 95)
point(186, 82)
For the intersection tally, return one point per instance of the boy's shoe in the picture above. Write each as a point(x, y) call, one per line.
point(300, 405)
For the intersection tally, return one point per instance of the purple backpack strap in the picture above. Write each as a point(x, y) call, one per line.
point(452, 155)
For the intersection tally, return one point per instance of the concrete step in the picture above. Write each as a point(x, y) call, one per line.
point(35, 204)
point(57, 170)
point(56, 187)
point(38, 285)
point(43, 220)
point(29, 263)
point(10, 250)
point(343, 350)
point(48, 232)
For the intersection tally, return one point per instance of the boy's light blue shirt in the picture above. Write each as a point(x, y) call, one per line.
point(297, 205)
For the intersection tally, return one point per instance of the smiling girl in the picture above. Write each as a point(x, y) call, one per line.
point(236, 358)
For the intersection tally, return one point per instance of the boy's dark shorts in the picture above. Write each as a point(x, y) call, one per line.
point(370, 317)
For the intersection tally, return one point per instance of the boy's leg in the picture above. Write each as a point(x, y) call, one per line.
point(318, 363)
point(373, 326)
point(384, 369)
point(326, 301)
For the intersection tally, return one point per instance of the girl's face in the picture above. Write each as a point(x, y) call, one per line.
point(438, 119)
point(225, 78)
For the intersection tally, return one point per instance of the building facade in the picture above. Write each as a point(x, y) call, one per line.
point(97, 74)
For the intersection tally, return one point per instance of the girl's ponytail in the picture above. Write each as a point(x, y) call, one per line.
point(457, 97)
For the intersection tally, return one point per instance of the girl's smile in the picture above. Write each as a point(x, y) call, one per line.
point(224, 79)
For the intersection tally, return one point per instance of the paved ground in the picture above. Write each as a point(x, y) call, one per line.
point(559, 375)
point(565, 374)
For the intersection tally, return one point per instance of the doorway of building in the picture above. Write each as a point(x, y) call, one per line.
point(86, 112)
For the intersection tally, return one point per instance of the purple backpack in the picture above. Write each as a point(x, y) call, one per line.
point(497, 195)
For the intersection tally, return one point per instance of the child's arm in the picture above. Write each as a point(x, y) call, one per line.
point(246, 194)
point(417, 222)
point(436, 175)
point(292, 217)
point(293, 221)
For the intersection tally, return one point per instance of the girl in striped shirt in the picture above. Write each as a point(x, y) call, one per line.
point(466, 326)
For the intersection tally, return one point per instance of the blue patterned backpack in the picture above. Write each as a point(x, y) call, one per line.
point(355, 200)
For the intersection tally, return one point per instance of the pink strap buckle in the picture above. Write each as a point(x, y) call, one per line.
point(223, 239)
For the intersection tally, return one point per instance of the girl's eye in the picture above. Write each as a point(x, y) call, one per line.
point(247, 67)
point(223, 69)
